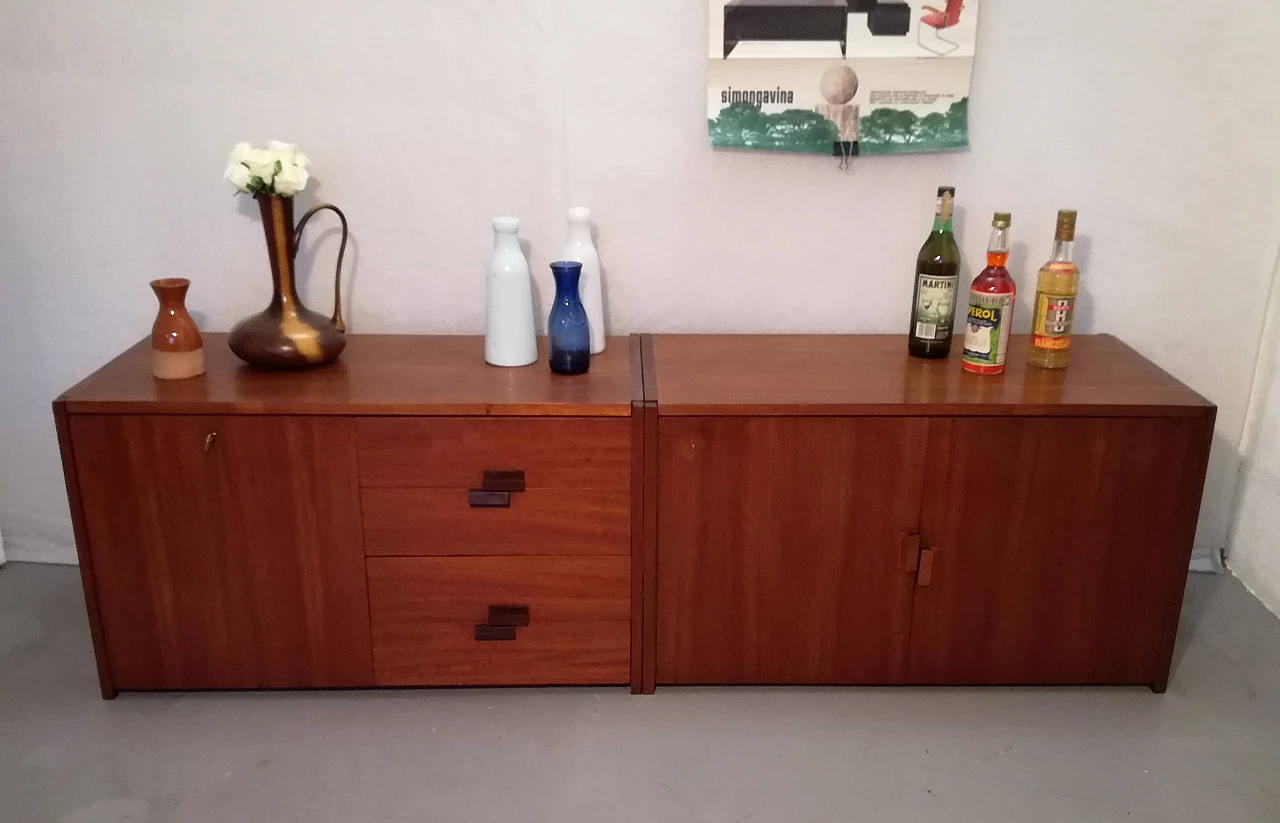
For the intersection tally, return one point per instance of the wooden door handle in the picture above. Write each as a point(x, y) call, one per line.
point(925, 575)
point(502, 623)
point(503, 480)
point(487, 634)
point(517, 616)
point(482, 499)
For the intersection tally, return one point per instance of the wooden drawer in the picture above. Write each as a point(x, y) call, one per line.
point(441, 522)
point(454, 452)
point(416, 475)
point(425, 612)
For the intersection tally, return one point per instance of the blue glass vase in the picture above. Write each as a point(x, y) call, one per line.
point(568, 329)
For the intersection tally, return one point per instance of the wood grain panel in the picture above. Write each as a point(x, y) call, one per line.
point(454, 452)
point(84, 556)
point(1057, 545)
point(1183, 532)
point(647, 514)
point(779, 548)
point(424, 612)
point(426, 522)
point(461, 589)
point(236, 567)
point(553, 654)
point(637, 513)
point(377, 375)
point(872, 375)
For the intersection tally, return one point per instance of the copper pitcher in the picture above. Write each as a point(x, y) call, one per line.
point(288, 335)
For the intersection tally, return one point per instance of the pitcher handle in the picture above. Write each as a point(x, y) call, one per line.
point(342, 250)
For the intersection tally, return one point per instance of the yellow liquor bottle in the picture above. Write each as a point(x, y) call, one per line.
point(1055, 306)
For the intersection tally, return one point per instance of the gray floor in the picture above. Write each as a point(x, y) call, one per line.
point(1209, 750)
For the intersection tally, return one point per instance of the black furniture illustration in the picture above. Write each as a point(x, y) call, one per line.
point(890, 18)
point(810, 20)
point(791, 20)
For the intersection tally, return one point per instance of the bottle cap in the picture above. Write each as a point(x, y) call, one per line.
point(1002, 220)
point(506, 224)
point(579, 214)
point(951, 190)
point(1066, 224)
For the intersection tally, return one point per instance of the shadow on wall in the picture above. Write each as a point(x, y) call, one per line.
point(1225, 461)
point(1255, 508)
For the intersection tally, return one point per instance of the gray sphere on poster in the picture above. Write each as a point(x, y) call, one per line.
point(839, 85)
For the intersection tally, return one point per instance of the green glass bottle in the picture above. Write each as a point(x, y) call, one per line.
point(933, 306)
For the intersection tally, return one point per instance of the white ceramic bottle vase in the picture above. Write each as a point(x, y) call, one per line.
point(580, 248)
point(509, 335)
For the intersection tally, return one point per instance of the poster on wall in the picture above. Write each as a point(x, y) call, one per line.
point(841, 77)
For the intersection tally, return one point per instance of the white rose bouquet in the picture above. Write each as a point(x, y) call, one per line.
point(278, 169)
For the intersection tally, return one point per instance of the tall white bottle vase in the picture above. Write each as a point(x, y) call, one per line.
point(510, 338)
point(580, 248)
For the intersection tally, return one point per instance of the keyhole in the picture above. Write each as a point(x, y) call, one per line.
point(691, 447)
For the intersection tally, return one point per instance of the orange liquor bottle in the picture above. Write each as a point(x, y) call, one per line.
point(991, 297)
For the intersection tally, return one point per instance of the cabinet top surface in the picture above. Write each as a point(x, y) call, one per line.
point(873, 375)
point(376, 375)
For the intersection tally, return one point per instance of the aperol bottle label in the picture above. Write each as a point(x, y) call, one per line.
point(986, 337)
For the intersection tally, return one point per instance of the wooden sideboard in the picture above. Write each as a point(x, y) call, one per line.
point(831, 511)
point(407, 516)
point(694, 510)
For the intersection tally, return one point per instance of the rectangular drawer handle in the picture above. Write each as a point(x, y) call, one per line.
point(503, 480)
point(925, 576)
point(509, 616)
point(481, 499)
point(487, 634)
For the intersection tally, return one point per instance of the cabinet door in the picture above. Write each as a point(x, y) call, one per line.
point(226, 561)
point(1059, 548)
point(780, 548)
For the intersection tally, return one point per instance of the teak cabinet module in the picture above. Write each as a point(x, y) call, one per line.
point(695, 509)
point(407, 516)
point(225, 550)
point(831, 511)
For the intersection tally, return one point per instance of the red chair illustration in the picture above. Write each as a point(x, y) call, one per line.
point(939, 20)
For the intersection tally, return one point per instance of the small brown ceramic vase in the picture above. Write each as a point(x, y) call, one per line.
point(288, 335)
point(177, 350)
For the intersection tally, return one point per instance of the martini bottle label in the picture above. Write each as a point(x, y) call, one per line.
point(935, 307)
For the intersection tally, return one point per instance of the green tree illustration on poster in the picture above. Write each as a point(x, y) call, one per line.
point(883, 131)
point(890, 131)
point(744, 126)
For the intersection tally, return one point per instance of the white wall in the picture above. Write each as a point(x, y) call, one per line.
point(1255, 532)
point(425, 118)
